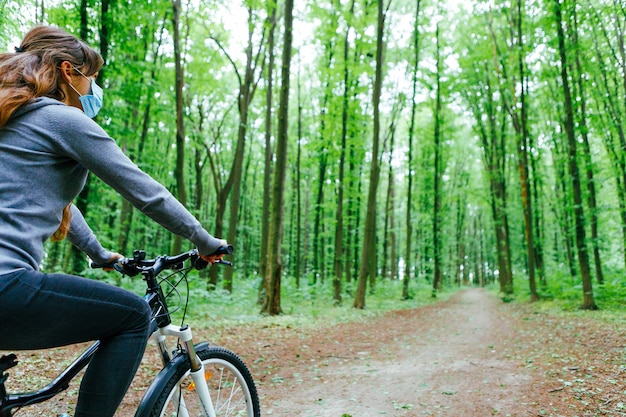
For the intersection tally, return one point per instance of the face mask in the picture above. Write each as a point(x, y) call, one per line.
point(91, 102)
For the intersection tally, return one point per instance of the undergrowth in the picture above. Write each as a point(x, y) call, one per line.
point(561, 294)
point(309, 304)
point(302, 306)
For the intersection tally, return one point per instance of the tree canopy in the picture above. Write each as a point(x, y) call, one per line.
point(439, 141)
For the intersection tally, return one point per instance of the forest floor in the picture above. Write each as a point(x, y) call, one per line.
point(470, 355)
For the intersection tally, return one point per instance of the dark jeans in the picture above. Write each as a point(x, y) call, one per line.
point(40, 311)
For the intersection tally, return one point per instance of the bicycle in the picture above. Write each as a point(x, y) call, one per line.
point(196, 379)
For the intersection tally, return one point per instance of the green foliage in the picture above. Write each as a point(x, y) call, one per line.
point(478, 51)
point(304, 306)
point(612, 305)
point(9, 10)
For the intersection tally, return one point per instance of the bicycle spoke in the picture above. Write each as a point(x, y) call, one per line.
point(227, 387)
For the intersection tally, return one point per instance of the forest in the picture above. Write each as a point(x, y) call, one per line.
point(340, 144)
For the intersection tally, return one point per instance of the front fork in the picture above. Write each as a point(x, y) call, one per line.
point(197, 368)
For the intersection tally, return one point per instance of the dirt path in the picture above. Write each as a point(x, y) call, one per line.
point(471, 355)
point(454, 358)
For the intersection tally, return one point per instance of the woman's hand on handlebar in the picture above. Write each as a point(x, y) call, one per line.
point(216, 256)
point(111, 261)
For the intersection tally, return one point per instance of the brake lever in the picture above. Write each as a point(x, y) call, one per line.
point(200, 263)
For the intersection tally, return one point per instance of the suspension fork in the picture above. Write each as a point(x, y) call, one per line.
point(184, 334)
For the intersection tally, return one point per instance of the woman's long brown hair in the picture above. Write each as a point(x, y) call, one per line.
point(33, 71)
point(64, 227)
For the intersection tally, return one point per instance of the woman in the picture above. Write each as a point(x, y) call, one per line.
point(48, 143)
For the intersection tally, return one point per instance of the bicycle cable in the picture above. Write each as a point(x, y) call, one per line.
point(174, 289)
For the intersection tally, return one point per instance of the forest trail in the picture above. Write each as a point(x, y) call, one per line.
point(452, 358)
point(471, 355)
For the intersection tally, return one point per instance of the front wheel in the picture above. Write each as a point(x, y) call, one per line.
point(230, 384)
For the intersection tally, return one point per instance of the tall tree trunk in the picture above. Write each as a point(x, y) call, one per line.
point(496, 166)
point(537, 216)
point(339, 240)
point(437, 258)
point(353, 190)
point(390, 259)
point(179, 171)
point(271, 304)
point(267, 178)
point(588, 163)
point(461, 185)
point(579, 217)
point(298, 266)
point(199, 160)
point(520, 122)
point(389, 243)
point(84, 22)
point(409, 195)
point(232, 186)
point(318, 262)
point(318, 246)
point(368, 253)
point(562, 213)
point(235, 196)
point(353, 210)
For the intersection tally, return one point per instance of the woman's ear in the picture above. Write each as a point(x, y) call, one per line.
point(66, 71)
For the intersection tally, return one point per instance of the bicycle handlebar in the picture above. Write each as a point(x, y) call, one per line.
point(138, 263)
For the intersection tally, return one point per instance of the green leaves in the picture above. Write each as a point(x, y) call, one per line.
point(333, 76)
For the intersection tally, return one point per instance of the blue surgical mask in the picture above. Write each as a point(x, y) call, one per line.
point(91, 102)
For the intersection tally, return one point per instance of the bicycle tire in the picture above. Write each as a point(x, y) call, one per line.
point(231, 385)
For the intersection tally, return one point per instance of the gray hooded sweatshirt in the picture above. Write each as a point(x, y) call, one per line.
point(46, 150)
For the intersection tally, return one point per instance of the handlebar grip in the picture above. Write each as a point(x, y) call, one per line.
point(120, 265)
point(111, 264)
point(224, 250)
point(200, 263)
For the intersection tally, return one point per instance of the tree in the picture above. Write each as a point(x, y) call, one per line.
point(368, 251)
point(248, 83)
point(180, 126)
point(574, 172)
point(271, 305)
point(519, 116)
point(267, 178)
point(339, 213)
point(438, 171)
point(409, 195)
point(586, 151)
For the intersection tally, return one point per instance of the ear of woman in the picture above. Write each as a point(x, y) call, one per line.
point(70, 87)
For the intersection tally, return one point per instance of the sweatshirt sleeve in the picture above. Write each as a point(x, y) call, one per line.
point(89, 144)
point(81, 236)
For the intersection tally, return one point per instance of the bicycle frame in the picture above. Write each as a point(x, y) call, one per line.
point(61, 383)
point(161, 328)
point(58, 385)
